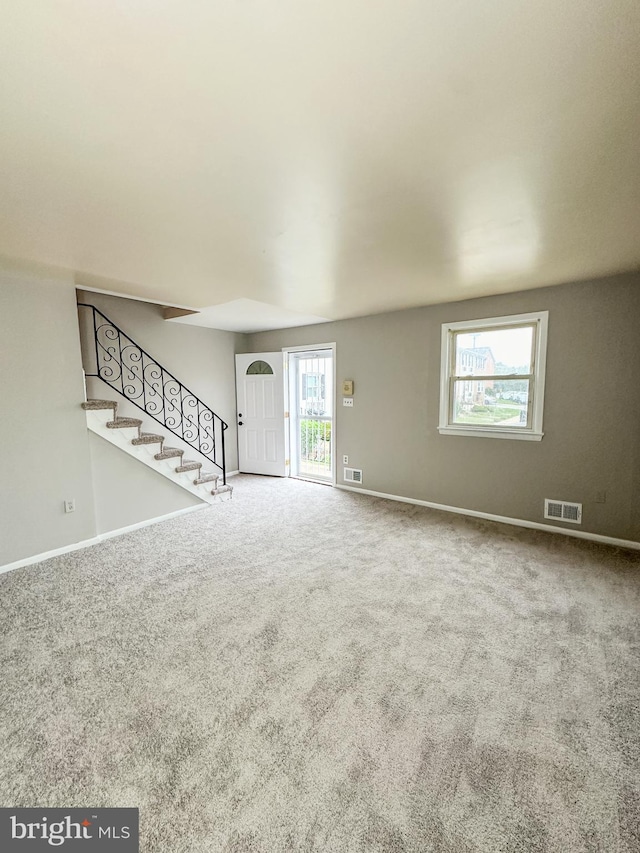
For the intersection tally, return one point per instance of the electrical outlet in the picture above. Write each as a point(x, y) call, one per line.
point(345, 460)
point(70, 505)
point(347, 401)
point(601, 497)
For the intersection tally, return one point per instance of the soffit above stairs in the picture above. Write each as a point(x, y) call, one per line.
point(244, 315)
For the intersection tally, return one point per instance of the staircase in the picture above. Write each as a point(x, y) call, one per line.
point(111, 356)
point(149, 448)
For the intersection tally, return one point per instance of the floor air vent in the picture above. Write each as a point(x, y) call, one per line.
point(563, 511)
point(352, 475)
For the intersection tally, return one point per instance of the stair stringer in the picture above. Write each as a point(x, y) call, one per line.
point(96, 388)
point(121, 438)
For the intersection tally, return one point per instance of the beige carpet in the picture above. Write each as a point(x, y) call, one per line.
point(303, 669)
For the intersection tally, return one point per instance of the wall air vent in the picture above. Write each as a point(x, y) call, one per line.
point(563, 511)
point(352, 475)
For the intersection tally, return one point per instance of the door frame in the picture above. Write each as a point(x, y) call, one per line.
point(279, 428)
point(288, 352)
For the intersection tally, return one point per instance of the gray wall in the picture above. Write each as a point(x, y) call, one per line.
point(127, 492)
point(49, 454)
point(592, 411)
point(43, 431)
point(203, 359)
point(591, 418)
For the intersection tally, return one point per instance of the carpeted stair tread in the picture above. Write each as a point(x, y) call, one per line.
point(188, 466)
point(147, 438)
point(206, 478)
point(168, 453)
point(124, 423)
point(92, 405)
point(221, 489)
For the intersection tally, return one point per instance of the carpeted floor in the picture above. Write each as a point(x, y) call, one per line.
point(304, 669)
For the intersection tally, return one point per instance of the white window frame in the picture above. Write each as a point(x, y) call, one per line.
point(540, 321)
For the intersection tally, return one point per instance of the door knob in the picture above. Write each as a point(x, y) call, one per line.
point(239, 423)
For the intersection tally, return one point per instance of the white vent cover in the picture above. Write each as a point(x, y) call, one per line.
point(563, 511)
point(353, 475)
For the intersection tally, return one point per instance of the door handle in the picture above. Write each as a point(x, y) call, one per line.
point(240, 423)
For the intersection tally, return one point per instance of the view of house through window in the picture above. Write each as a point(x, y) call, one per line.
point(492, 379)
point(485, 390)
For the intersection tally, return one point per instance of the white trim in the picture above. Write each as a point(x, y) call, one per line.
point(139, 524)
point(121, 295)
point(87, 543)
point(311, 480)
point(502, 519)
point(334, 418)
point(311, 348)
point(497, 322)
point(38, 558)
point(97, 420)
point(233, 473)
point(491, 433)
point(534, 432)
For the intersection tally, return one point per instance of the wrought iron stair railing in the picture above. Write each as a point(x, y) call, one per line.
point(123, 365)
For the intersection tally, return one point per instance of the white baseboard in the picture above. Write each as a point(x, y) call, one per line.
point(232, 473)
point(86, 543)
point(503, 519)
point(150, 521)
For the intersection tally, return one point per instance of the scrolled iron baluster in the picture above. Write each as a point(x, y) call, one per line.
point(162, 396)
point(190, 426)
point(173, 416)
point(132, 356)
point(107, 364)
point(153, 378)
point(207, 441)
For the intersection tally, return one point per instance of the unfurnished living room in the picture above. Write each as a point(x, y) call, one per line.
point(320, 492)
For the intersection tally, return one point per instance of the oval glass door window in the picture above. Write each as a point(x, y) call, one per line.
point(259, 367)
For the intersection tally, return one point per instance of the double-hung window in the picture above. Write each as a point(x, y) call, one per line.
point(492, 377)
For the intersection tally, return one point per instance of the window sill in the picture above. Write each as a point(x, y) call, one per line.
point(478, 432)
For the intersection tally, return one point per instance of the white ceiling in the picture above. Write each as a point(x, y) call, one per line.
point(247, 315)
point(331, 159)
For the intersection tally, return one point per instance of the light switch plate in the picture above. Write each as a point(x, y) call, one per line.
point(347, 401)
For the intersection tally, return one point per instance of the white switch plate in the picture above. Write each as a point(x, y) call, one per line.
point(70, 506)
point(347, 401)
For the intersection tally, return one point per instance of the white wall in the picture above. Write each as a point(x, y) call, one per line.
point(43, 432)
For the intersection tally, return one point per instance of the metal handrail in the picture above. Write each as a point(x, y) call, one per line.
point(125, 366)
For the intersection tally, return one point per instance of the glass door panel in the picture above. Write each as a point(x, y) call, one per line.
point(312, 417)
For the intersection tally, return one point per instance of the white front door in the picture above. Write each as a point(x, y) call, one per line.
point(261, 414)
